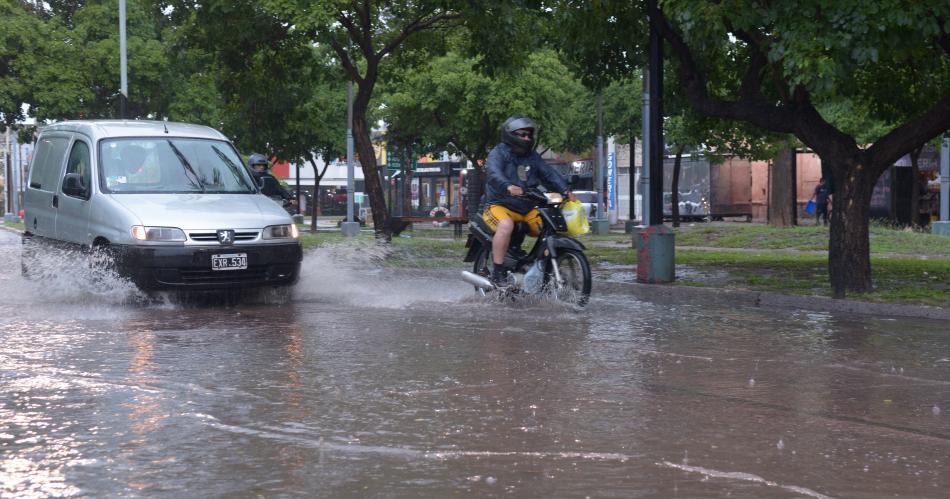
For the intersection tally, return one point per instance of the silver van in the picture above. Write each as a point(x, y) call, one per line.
point(171, 204)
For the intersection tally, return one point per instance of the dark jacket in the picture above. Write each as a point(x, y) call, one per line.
point(822, 191)
point(504, 168)
point(272, 188)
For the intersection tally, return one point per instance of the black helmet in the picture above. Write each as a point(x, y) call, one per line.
point(518, 144)
point(257, 159)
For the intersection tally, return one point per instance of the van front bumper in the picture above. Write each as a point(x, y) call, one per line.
point(189, 267)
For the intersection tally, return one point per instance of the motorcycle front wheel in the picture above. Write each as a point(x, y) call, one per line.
point(575, 282)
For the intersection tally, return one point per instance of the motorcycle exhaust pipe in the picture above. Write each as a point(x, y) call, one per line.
point(477, 281)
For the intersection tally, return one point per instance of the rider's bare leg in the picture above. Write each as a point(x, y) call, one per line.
point(501, 239)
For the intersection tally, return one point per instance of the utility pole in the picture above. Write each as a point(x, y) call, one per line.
point(645, 150)
point(601, 223)
point(8, 190)
point(123, 66)
point(655, 250)
point(943, 225)
point(349, 227)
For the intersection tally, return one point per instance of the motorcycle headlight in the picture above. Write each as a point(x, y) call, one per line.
point(157, 234)
point(288, 231)
point(554, 197)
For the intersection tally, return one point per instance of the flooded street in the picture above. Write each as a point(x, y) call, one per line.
point(373, 383)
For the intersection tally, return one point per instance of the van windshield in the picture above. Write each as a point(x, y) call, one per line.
point(171, 165)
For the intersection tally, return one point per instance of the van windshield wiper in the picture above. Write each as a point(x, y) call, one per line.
point(195, 180)
point(234, 168)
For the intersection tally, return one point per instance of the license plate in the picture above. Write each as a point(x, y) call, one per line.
point(229, 261)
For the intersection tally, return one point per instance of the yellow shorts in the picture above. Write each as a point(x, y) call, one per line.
point(496, 213)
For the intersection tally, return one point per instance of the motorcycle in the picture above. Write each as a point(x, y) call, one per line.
point(556, 264)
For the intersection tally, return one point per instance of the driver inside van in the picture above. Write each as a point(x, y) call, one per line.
point(130, 162)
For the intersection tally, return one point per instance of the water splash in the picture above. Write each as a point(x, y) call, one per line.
point(353, 273)
point(58, 275)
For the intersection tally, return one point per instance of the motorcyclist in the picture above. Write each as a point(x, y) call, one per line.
point(512, 167)
point(261, 170)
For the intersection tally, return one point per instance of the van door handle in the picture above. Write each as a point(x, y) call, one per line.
point(55, 201)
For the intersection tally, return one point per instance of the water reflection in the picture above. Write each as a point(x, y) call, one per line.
point(377, 391)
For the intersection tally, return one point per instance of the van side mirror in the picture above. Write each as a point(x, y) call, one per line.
point(573, 179)
point(73, 185)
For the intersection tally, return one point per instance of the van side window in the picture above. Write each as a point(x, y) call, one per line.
point(79, 161)
point(47, 161)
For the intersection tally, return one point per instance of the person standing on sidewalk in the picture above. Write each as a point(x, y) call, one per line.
point(821, 196)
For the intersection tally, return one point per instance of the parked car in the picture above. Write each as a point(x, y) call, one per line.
point(171, 204)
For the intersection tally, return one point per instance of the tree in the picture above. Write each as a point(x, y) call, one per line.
point(774, 64)
point(20, 32)
point(449, 103)
point(787, 57)
point(362, 34)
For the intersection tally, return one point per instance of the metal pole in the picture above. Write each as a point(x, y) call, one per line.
point(644, 168)
point(297, 163)
point(123, 65)
point(349, 228)
point(8, 184)
point(349, 151)
point(601, 225)
point(656, 126)
point(945, 181)
point(655, 248)
point(601, 208)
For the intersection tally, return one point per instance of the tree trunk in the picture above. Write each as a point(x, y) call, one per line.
point(849, 256)
point(675, 187)
point(315, 204)
point(315, 199)
point(782, 203)
point(364, 147)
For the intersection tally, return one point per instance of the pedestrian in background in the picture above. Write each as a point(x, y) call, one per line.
point(821, 197)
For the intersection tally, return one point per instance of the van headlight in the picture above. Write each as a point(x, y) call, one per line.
point(288, 231)
point(158, 234)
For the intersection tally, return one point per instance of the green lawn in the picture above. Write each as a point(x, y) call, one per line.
point(908, 266)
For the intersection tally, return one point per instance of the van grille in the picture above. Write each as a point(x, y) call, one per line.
point(252, 274)
point(212, 237)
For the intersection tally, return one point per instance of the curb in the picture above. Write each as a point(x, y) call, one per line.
point(661, 293)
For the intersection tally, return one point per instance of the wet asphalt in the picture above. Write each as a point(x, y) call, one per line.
point(375, 383)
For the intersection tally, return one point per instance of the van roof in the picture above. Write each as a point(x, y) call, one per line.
point(101, 129)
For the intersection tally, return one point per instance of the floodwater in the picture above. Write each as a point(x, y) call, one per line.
point(369, 383)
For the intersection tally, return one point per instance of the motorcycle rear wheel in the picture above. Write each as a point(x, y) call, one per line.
point(575, 283)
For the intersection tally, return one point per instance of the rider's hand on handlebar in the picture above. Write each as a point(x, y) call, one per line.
point(514, 190)
point(570, 196)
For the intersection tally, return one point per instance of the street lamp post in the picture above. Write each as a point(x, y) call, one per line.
point(8, 187)
point(943, 225)
point(123, 66)
point(349, 227)
point(655, 250)
point(601, 224)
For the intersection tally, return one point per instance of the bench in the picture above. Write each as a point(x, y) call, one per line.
point(400, 224)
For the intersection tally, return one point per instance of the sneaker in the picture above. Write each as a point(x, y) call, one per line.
point(499, 276)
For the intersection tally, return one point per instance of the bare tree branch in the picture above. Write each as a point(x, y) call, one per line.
point(415, 26)
point(362, 38)
point(345, 60)
point(889, 148)
point(751, 87)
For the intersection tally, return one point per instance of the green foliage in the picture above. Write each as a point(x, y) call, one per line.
point(449, 103)
point(20, 32)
